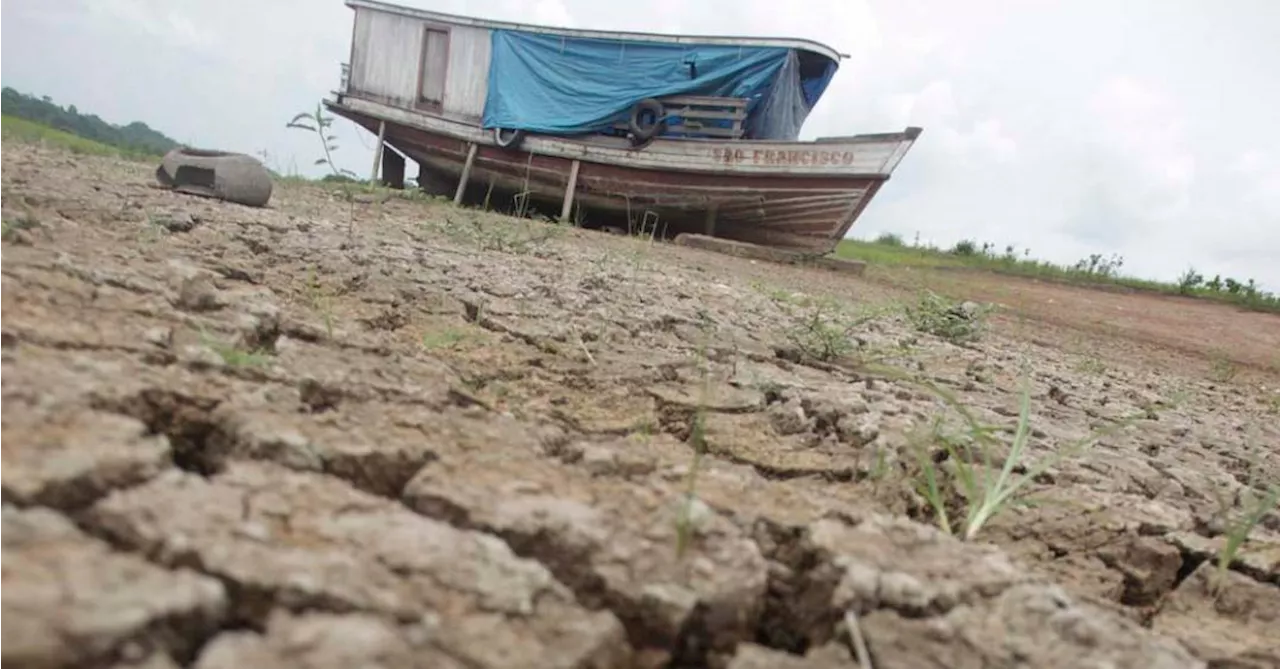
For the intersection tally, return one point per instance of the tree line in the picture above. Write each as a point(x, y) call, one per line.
point(135, 137)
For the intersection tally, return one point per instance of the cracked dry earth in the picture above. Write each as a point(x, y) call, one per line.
point(332, 434)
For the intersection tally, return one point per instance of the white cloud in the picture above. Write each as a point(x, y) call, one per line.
point(158, 22)
point(1142, 128)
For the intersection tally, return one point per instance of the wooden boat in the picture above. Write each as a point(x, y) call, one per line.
point(642, 131)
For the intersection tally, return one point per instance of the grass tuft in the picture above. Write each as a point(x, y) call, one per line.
point(956, 322)
point(698, 443)
point(236, 356)
point(983, 491)
point(444, 339)
point(1255, 507)
point(320, 300)
point(10, 228)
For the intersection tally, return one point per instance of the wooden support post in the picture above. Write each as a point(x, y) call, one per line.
point(377, 152)
point(569, 190)
point(466, 173)
point(709, 226)
point(392, 169)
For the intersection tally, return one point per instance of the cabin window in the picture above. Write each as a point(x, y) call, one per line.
point(435, 61)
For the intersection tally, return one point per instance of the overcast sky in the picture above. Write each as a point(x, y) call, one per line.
point(1146, 128)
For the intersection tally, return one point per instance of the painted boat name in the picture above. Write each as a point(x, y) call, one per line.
point(779, 157)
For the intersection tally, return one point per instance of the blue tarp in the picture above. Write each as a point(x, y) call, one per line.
point(816, 86)
point(569, 85)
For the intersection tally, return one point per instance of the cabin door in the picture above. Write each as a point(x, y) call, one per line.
point(435, 64)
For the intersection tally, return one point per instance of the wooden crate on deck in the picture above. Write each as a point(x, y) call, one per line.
point(702, 116)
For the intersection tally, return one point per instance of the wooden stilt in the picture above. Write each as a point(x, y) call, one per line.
point(377, 152)
point(709, 226)
point(466, 173)
point(569, 190)
point(392, 169)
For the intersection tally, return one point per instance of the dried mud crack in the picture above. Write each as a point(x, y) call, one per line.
point(396, 433)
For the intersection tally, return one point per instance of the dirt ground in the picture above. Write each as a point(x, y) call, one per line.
point(388, 432)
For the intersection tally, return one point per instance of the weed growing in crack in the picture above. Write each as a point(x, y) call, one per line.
point(956, 322)
point(444, 339)
point(582, 345)
point(10, 228)
point(1272, 401)
point(1222, 369)
point(984, 495)
point(236, 356)
point(514, 236)
point(320, 301)
point(820, 336)
point(1255, 507)
point(819, 329)
point(643, 430)
point(857, 642)
point(1092, 366)
point(698, 442)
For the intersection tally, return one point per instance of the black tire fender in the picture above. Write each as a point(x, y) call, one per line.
point(511, 141)
point(640, 131)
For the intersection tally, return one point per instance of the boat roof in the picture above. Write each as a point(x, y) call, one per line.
point(454, 19)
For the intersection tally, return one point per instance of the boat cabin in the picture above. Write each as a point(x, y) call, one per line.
point(661, 134)
point(555, 81)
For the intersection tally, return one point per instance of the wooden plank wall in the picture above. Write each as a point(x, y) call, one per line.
point(384, 60)
point(468, 80)
point(387, 62)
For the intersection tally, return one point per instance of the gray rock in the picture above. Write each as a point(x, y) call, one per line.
point(179, 222)
point(788, 418)
point(197, 293)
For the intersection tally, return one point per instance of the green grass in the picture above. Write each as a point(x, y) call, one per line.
point(890, 250)
point(1255, 507)
point(13, 128)
point(11, 228)
point(987, 488)
point(444, 339)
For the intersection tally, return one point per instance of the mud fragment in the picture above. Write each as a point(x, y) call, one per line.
point(1150, 567)
point(67, 458)
point(1229, 621)
point(613, 543)
point(923, 597)
point(754, 656)
point(375, 449)
point(719, 398)
point(304, 541)
point(1028, 625)
point(70, 600)
point(327, 641)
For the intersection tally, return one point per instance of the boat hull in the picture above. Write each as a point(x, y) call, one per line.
point(801, 196)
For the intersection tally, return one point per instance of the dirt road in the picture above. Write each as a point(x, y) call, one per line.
point(389, 432)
